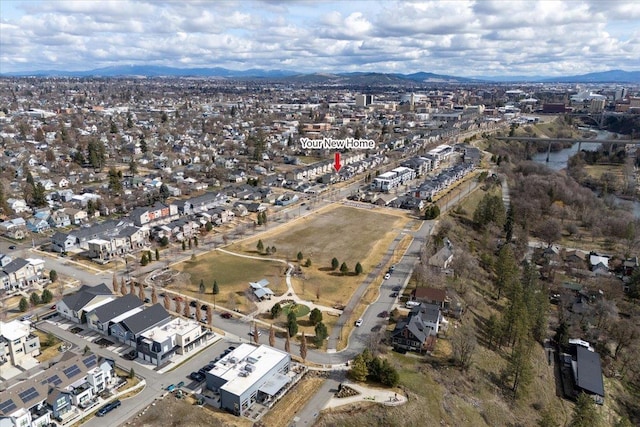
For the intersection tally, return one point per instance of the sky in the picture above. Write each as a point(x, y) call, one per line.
point(462, 38)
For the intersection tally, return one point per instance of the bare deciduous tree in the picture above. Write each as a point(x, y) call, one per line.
point(464, 343)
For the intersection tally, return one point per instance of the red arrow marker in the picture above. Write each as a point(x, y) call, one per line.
point(337, 164)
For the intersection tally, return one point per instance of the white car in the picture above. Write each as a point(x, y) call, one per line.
point(387, 276)
point(358, 322)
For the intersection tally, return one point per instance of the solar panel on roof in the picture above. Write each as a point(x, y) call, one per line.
point(27, 395)
point(55, 379)
point(71, 371)
point(7, 406)
point(90, 361)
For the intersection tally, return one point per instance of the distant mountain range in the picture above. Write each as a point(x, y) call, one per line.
point(612, 76)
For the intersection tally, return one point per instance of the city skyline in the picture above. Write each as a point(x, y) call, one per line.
point(464, 38)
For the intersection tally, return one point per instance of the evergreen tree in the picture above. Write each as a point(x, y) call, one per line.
point(46, 297)
point(216, 289)
point(157, 254)
point(344, 269)
point(144, 260)
point(389, 376)
point(315, 316)
point(585, 413)
point(201, 288)
point(39, 196)
point(335, 263)
point(506, 269)
point(276, 310)
point(358, 370)
point(115, 180)
point(519, 371)
point(35, 299)
point(53, 276)
point(260, 246)
point(299, 257)
point(358, 269)
point(508, 225)
point(23, 305)
point(321, 333)
point(292, 324)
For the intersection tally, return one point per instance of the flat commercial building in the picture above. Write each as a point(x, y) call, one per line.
point(247, 375)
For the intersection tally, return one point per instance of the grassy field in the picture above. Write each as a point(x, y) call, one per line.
point(233, 275)
point(350, 234)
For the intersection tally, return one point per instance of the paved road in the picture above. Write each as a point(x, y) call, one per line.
point(309, 414)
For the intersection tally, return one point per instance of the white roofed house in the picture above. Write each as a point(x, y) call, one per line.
point(17, 342)
point(157, 345)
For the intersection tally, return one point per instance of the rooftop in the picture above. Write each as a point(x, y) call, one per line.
point(177, 326)
point(14, 330)
point(245, 365)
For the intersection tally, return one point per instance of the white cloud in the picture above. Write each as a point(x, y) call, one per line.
point(459, 37)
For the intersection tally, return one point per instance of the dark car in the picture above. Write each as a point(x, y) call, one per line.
point(393, 295)
point(231, 348)
point(147, 300)
point(196, 376)
point(384, 314)
point(132, 355)
point(193, 304)
point(108, 408)
point(12, 247)
point(226, 315)
point(397, 288)
point(203, 307)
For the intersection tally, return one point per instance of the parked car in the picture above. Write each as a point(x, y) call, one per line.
point(252, 332)
point(397, 288)
point(108, 408)
point(225, 315)
point(387, 276)
point(171, 387)
point(393, 295)
point(359, 322)
point(196, 376)
point(147, 300)
point(384, 314)
point(12, 247)
point(203, 307)
point(53, 307)
point(231, 348)
point(193, 303)
point(393, 267)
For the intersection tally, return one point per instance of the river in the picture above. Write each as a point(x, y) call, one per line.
point(558, 161)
